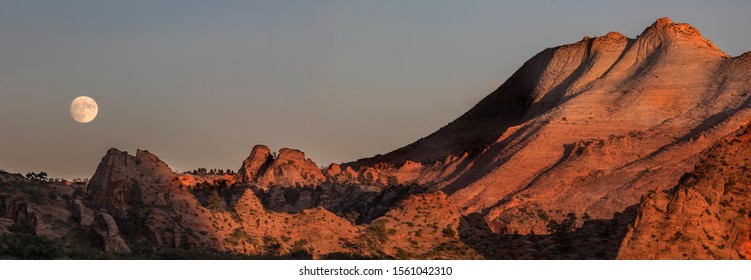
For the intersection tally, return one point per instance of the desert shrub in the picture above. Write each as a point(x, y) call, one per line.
point(292, 195)
point(392, 181)
point(561, 231)
point(22, 228)
point(352, 216)
point(134, 223)
point(133, 195)
point(272, 246)
point(78, 192)
point(378, 228)
point(299, 244)
point(75, 216)
point(41, 176)
point(448, 232)
point(300, 254)
point(26, 246)
point(346, 256)
point(403, 254)
point(214, 202)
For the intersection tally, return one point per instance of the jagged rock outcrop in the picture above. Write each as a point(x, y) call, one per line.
point(122, 180)
point(289, 169)
point(106, 234)
point(24, 213)
point(707, 215)
point(147, 197)
point(256, 164)
point(149, 203)
point(157, 208)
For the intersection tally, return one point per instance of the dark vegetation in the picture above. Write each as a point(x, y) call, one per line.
point(219, 196)
point(359, 204)
point(570, 237)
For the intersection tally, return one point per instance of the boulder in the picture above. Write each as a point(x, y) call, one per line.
point(105, 232)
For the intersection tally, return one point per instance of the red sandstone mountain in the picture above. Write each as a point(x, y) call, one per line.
point(588, 127)
point(553, 164)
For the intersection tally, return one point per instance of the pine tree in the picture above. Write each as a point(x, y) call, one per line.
point(214, 203)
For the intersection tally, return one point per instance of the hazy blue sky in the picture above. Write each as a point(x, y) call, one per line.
point(200, 82)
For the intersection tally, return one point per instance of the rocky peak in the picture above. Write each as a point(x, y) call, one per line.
point(256, 163)
point(290, 155)
point(151, 164)
point(110, 177)
point(662, 22)
point(290, 168)
point(146, 156)
point(612, 37)
point(333, 170)
point(666, 31)
point(118, 172)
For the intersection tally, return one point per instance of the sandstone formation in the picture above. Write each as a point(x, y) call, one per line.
point(588, 127)
point(84, 214)
point(607, 147)
point(154, 206)
point(707, 215)
point(151, 204)
point(256, 164)
point(22, 213)
point(290, 168)
point(107, 235)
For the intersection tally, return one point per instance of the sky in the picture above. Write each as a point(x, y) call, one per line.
point(199, 83)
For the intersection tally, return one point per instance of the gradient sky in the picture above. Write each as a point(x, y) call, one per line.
point(200, 82)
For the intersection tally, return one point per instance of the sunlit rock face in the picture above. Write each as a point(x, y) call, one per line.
point(588, 127)
point(705, 216)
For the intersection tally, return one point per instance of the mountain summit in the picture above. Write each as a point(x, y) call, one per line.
point(587, 127)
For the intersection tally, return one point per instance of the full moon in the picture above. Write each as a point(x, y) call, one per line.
point(83, 109)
